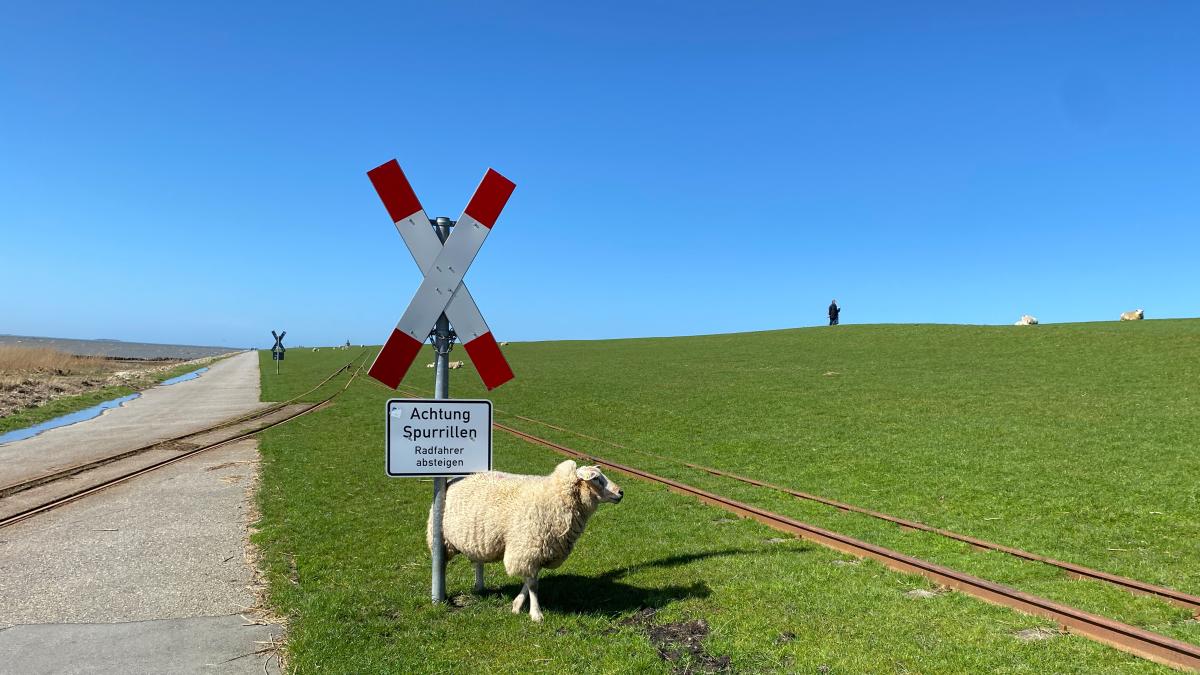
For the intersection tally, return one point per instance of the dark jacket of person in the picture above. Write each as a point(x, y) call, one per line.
point(834, 310)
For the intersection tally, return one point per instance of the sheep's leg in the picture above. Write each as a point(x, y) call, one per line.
point(520, 599)
point(478, 577)
point(535, 610)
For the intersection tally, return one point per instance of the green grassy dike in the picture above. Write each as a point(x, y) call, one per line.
point(69, 404)
point(1042, 437)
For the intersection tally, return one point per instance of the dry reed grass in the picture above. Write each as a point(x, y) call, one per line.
point(15, 360)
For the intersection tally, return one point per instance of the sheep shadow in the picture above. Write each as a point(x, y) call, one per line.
point(605, 595)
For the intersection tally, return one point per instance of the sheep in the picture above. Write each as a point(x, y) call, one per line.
point(431, 365)
point(529, 522)
point(1135, 315)
point(455, 365)
point(1027, 320)
point(503, 344)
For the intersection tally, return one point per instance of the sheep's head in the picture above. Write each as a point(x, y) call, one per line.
point(592, 479)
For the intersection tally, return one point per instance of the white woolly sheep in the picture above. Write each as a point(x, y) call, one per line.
point(529, 522)
point(1027, 320)
point(455, 365)
point(431, 365)
point(1135, 315)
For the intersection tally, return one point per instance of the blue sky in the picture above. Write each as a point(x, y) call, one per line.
point(197, 172)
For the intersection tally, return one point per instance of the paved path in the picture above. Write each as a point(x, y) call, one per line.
point(150, 576)
point(228, 388)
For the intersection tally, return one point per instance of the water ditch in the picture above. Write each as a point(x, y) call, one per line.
point(87, 413)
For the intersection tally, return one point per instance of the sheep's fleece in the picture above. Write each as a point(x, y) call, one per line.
point(530, 522)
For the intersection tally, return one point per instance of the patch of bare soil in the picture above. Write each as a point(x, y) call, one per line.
point(679, 643)
point(33, 376)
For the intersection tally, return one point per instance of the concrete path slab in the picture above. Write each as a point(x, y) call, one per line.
point(229, 388)
point(208, 644)
point(166, 546)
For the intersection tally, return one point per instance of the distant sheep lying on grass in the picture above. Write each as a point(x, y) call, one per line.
point(1026, 320)
point(455, 365)
point(1135, 315)
point(529, 522)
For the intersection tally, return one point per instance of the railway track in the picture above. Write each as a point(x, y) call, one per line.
point(1146, 644)
point(252, 424)
point(1134, 586)
point(181, 443)
point(1176, 597)
point(1128, 638)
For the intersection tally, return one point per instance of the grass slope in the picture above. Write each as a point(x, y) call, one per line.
point(1060, 439)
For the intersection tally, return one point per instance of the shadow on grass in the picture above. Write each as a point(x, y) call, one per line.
point(604, 595)
point(600, 596)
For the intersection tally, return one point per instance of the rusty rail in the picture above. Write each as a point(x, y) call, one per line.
point(50, 477)
point(1176, 597)
point(85, 492)
point(1185, 600)
point(1127, 638)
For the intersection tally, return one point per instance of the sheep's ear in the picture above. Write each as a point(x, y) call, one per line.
point(587, 472)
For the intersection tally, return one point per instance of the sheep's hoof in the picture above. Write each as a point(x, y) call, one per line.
point(536, 617)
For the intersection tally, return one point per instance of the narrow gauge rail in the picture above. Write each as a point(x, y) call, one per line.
point(67, 472)
point(87, 491)
point(1127, 638)
point(1147, 644)
point(1176, 597)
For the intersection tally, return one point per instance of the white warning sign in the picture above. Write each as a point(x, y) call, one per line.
point(438, 437)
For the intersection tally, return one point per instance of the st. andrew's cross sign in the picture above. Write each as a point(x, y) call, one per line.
point(444, 266)
point(278, 350)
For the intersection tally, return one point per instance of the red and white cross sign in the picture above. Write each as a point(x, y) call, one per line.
point(444, 266)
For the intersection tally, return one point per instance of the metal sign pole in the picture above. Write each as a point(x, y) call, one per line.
point(442, 298)
point(443, 338)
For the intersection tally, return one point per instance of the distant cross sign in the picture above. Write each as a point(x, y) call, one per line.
point(444, 266)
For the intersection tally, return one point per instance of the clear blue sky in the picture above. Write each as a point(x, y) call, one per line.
point(196, 172)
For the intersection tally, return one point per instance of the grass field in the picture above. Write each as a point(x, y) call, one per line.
point(1074, 441)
